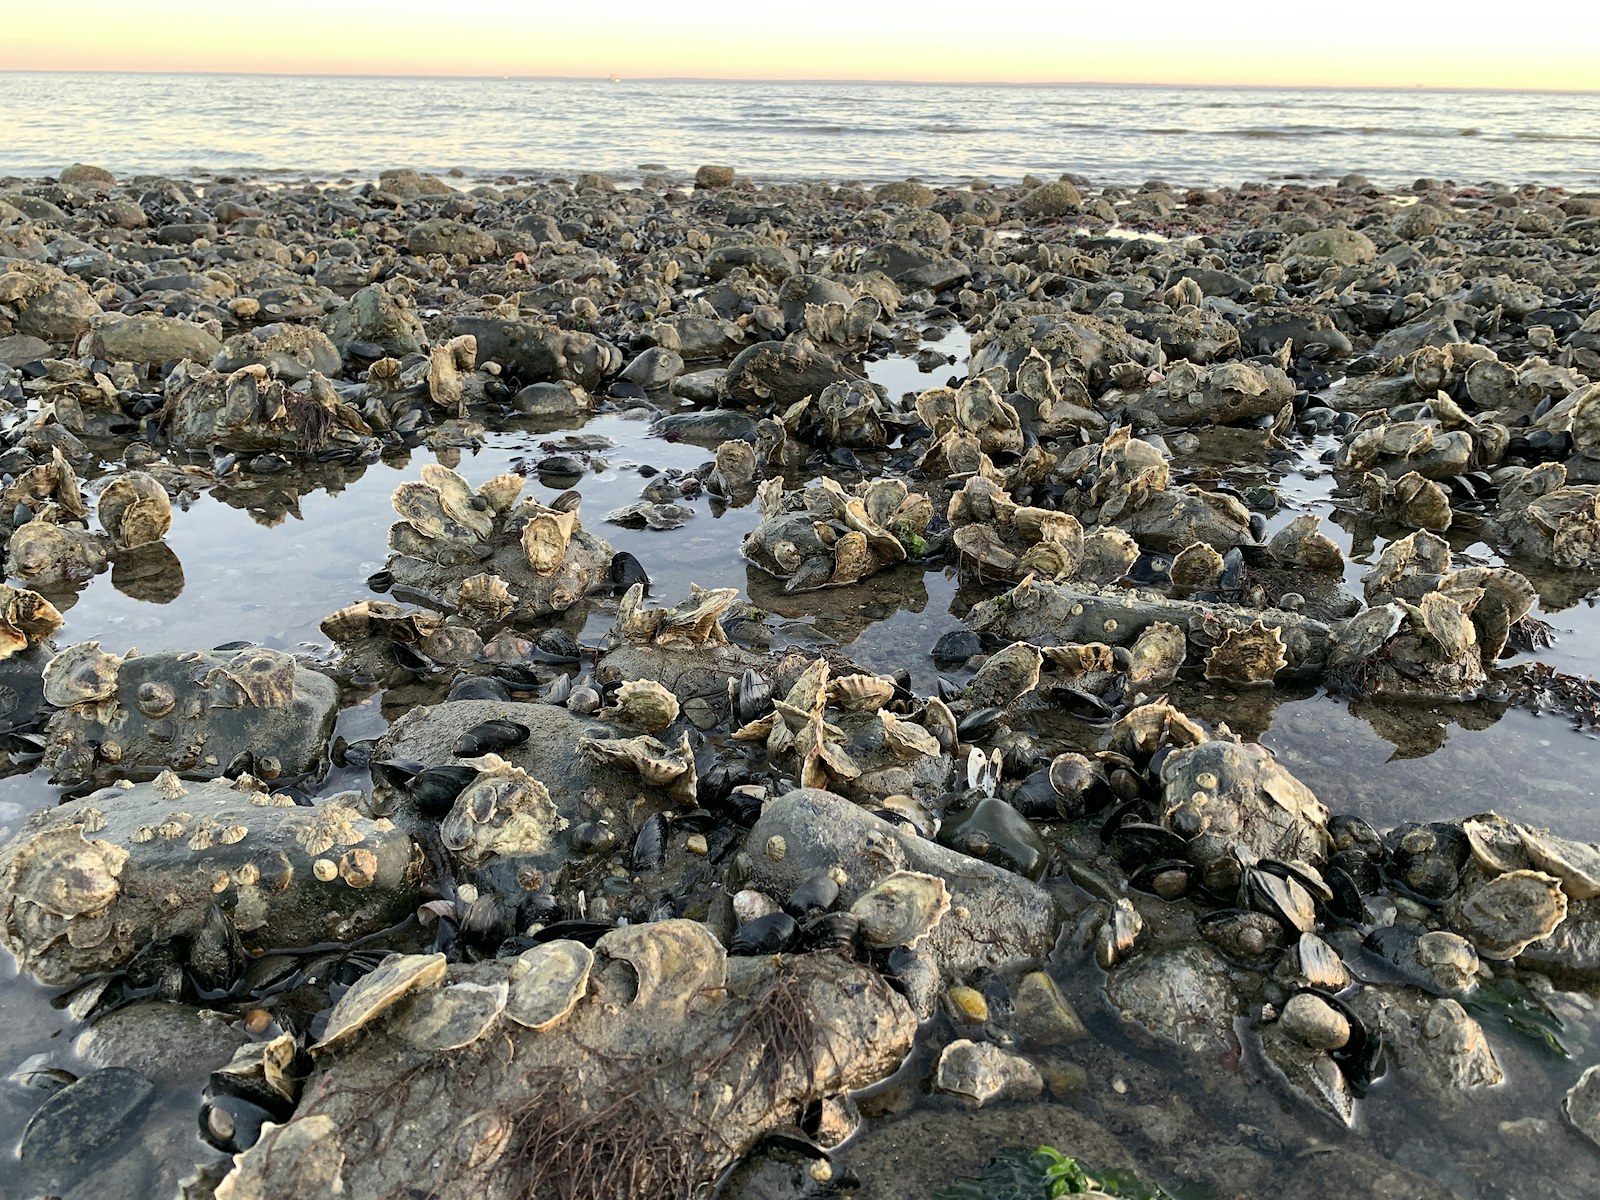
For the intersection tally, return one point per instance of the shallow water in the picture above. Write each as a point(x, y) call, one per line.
point(268, 566)
point(330, 126)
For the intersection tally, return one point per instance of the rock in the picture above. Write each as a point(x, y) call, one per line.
point(289, 352)
point(904, 191)
point(532, 353)
point(564, 399)
point(995, 917)
point(406, 184)
point(772, 263)
point(151, 339)
point(379, 318)
point(654, 368)
point(1310, 1073)
point(85, 176)
point(685, 1059)
point(73, 1128)
point(710, 176)
point(87, 885)
point(1582, 1104)
point(775, 375)
point(983, 1072)
point(1338, 243)
point(22, 348)
point(170, 1042)
point(1057, 199)
point(50, 305)
point(250, 411)
point(440, 235)
point(913, 266)
point(1041, 1015)
point(1433, 1042)
point(195, 712)
point(1183, 996)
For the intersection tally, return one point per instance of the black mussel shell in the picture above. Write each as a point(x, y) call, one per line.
point(478, 687)
point(537, 908)
point(587, 932)
point(650, 845)
point(488, 921)
point(1127, 812)
point(949, 690)
point(1168, 878)
point(557, 690)
point(1347, 903)
point(489, 737)
point(1307, 877)
point(408, 659)
point(233, 646)
point(817, 894)
point(1361, 867)
point(230, 1124)
point(1280, 896)
point(1085, 706)
point(1353, 833)
point(1022, 758)
point(835, 931)
point(519, 677)
point(244, 763)
point(1128, 784)
point(626, 570)
point(436, 789)
point(1035, 797)
point(956, 647)
point(755, 696)
point(1136, 843)
point(1427, 860)
point(978, 725)
point(380, 581)
point(1362, 1058)
point(771, 934)
point(1233, 566)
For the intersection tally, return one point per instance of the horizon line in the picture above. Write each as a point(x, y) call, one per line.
point(1014, 83)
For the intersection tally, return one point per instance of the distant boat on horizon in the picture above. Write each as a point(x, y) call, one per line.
point(614, 78)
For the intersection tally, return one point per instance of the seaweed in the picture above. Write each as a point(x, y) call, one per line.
point(1017, 1173)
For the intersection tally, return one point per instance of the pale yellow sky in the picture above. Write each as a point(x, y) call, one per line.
point(1350, 43)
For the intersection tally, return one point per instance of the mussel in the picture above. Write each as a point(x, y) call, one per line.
point(771, 934)
point(230, 1124)
point(490, 737)
point(435, 790)
point(650, 844)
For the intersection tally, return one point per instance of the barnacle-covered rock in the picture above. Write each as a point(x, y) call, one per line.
point(1226, 796)
point(251, 410)
point(213, 706)
point(451, 537)
point(1183, 996)
point(823, 536)
point(676, 1046)
point(997, 916)
point(86, 885)
point(1047, 613)
point(1220, 394)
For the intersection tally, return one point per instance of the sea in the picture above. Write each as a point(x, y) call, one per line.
point(351, 127)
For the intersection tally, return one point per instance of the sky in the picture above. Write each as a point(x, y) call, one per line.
point(1350, 43)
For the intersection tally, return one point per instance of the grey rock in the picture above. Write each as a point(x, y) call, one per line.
point(150, 339)
point(440, 235)
point(1432, 1041)
point(75, 1126)
point(983, 1072)
point(996, 917)
point(290, 352)
point(534, 353)
point(776, 375)
point(376, 316)
point(169, 1043)
point(1184, 996)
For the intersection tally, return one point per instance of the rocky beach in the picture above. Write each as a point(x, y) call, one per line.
point(551, 686)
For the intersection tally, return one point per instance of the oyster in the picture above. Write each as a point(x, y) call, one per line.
point(1156, 656)
point(26, 619)
point(546, 536)
point(901, 909)
point(658, 765)
point(484, 599)
point(1505, 915)
point(504, 812)
point(1007, 675)
point(645, 703)
point(453, 1016)
point(1247, 657)
point(547, 982)
point(397, 978)
point(134, 510)
point(81, 674)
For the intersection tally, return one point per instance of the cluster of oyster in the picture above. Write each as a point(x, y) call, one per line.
point(999, 537)
point(482, 552)
point(824, 536)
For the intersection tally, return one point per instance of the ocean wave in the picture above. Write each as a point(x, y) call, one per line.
point(1523, 135)
point(945, 129)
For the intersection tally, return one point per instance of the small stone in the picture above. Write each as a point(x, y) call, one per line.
point(1314, 1022)
point(983, 1072)
point(1582, 1105)
point(967, 1004)
point(696, 844)
point(1041, 1015)
point(713, 176)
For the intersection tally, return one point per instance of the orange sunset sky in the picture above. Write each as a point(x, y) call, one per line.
point(1398, 43)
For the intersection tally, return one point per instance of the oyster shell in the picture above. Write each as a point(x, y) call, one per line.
point(81, 674)
point(1156, 656)
point(26, 619)
point(901, 909)
point(547, 982)
point(1007, 675)
point(397, 978)
point(645, 703)
point(1247, 657)
point(135, 510)
point(485, 599)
